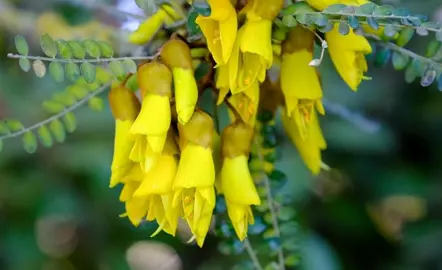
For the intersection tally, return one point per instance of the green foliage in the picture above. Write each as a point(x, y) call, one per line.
point(30, 142)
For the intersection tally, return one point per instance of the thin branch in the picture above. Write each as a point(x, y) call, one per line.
point(252, 254)
point(98, 60)
point(272, 210)
point(404, 51)
point(58, 115)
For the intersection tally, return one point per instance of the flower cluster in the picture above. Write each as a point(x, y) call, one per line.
point(168, 155)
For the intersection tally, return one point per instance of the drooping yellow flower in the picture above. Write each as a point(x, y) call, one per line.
point(348, 55)
point(176, 55)
point(299, 81)
point(125, 108)
point(310, 146)
point(236, 182)
point(145, 32)
point(195, 178)
point(153, 122)
point(323, 4)
point(219, 29)
point(252, 53)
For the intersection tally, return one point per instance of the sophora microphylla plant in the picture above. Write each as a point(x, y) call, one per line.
point(257, 58)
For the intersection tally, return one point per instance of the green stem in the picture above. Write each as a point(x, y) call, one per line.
point(98, 60)
point(58, 115)
point(252, 254)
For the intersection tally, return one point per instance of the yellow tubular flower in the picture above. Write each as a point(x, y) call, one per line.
point(236, 182)
point(252, 53)
point(219, 29)
point(149, 27)
point(299, 81)
point(153, 122)
point(125, 108)
point(323, 4)
point(176, 55)
point(195, 178)
point(246, 104)
point(347, 53)
point(310, 147)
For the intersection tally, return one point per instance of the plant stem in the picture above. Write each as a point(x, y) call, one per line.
point(252, 255)
point(98, 60)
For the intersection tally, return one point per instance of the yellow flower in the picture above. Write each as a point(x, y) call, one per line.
point(299, 81)
point(153, 122)
point(195, 178)
point(323, 4)
point(236, 182)
point(125, 108)
point(252, 54)
point(310, 147)
point(147, 30)
point(347, 53)
point(219, 29)
point(176, 55)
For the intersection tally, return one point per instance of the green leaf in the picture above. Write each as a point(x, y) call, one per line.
point(292, 260)
point(4, 129)
point(39, 68)
point(106, 49)
point(92, 48)
point(202, 70)
point(48, 45)
point(422, 31)
point(57, 129)
point(132, 83)
point(130, 66)
point(29, 142)
point(432, 25)
point(203, 10)
point(344, 28)
point(57, 72)
point(72, 72)
point(65, 98)
point(192, 27)
point(64, 50)
point(400, 61)
point(336, 8)
point(118, 69)
point(319, 19)
point(21, 45)
point(149, 6)
point(405, 36)
point(1, 145)
point(353, 22)
point(103, 76)
point(96, 104)
point(45, 136)
point(24, 63)
point(383, 10)
point(70, 122)
point(439, 35)
point(429, 77)
point(289, 21)
point(14, 125)
point(78, 50)
point(88, 71)
point(410, 74)
point(382, 57)
point(52, 106)
point(372, 23)
point(390, 30)
point(302, 18)
point(326, 28)
point(433, 48)
point(366, 9)
point(78, 91)
point(286, 213)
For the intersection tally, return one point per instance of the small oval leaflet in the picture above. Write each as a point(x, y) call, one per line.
point(70, 122)
point(366, 9)
point(45, 136)
point(39, 68)
point(410, 74)
point(88, 71)
point(29, 142)
point(14, 125)
point(48, 45)
point(96, 104)
point(385, 10)
point(72, 71)
point(130, 66)
point(422, 31)
point(21, 45)
point(344, 28)
point(78, 50)
point(382, 57)
point(373, 23)
point(24, 63)
point(57, 129)
point(92, 48)
point(353, 22)
point(400, 61)
point(57, 72)
point(118, 69)
point(433, 48)
point(1, 145)
point(405, 36)
point(429, 77)
point(106, 49)
point(336, 8)
point(52, 106)
point(289, 21)
point(64, 50)
point(390, 30)
point(320, 20)
point(439, 35)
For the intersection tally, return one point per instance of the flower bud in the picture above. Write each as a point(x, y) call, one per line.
point(236, 140)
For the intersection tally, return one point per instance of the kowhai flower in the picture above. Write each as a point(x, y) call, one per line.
point(236, 182)
point(195, 177)
point(219, 29)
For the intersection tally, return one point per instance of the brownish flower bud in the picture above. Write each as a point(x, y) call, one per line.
point(199, 130)
point(236, 140)
point(176, 54)
point(298, 39)
point(124, 104)
point(156, 78)
point(264, 8)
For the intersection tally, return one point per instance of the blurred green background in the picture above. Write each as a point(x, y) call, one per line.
point(379, 208)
